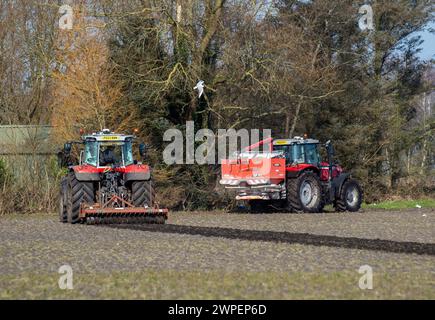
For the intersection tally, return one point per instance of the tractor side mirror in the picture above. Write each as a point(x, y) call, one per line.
point(61, 159)
point(81, 157)
point(64, 156)
point(142, 149)
point(67, 148)
point(331, 152)
point(330, 148)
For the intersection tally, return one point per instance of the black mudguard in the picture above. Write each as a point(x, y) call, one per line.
point(137, 176)
point(337, 183)
point(85, 176)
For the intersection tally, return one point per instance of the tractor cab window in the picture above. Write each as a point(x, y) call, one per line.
point(128, 153)
point(91, 153)
point(110, 154)
point(311, 154)
point(287, 150)
point(299, 153)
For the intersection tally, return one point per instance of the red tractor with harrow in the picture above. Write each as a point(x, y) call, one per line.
point(290, 176)
point(107, 185)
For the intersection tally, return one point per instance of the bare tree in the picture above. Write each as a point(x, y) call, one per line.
point(85, 94)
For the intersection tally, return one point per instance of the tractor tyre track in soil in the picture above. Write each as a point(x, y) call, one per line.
point(287, 237)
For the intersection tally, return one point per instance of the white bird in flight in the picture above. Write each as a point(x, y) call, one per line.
point(200, 87)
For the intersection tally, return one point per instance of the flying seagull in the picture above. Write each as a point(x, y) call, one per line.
point(200, 87)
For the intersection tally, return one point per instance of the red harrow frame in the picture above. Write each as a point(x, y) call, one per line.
point(118, 210)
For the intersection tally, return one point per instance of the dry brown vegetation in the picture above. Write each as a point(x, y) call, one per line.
point(84, 93)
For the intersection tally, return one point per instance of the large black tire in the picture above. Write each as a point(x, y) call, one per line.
point(63, 200)
point(78, 192)
point(350, 197)
point(143, 194)
point(304, 193)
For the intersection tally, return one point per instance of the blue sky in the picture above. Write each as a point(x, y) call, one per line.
point(428, 47)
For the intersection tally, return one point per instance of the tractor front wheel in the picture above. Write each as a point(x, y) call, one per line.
point(304, 193)
point(350, 197)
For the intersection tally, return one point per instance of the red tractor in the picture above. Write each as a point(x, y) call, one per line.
point(290, 176)
point(107, 185)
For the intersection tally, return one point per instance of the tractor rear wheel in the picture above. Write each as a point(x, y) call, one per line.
point(350, 197)
point(63, 200)
point(79, 192)
point(143, 193)
point(304, 193)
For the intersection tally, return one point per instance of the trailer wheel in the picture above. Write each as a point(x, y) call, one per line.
point(143, 193)
point(78, 192)
point(350, 197)
point(63, 200)
point(304, 193)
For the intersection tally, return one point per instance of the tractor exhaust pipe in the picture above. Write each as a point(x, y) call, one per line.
point(331, 152)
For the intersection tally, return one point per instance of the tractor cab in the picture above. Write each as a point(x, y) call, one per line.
point(302, 153)
point(105, 148)
point(299, 150)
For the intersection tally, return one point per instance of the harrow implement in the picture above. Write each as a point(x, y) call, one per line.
point(117, 210)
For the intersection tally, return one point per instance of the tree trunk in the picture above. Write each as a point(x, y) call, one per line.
point(211, 27)
point(296, 118)
point(287, 123)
